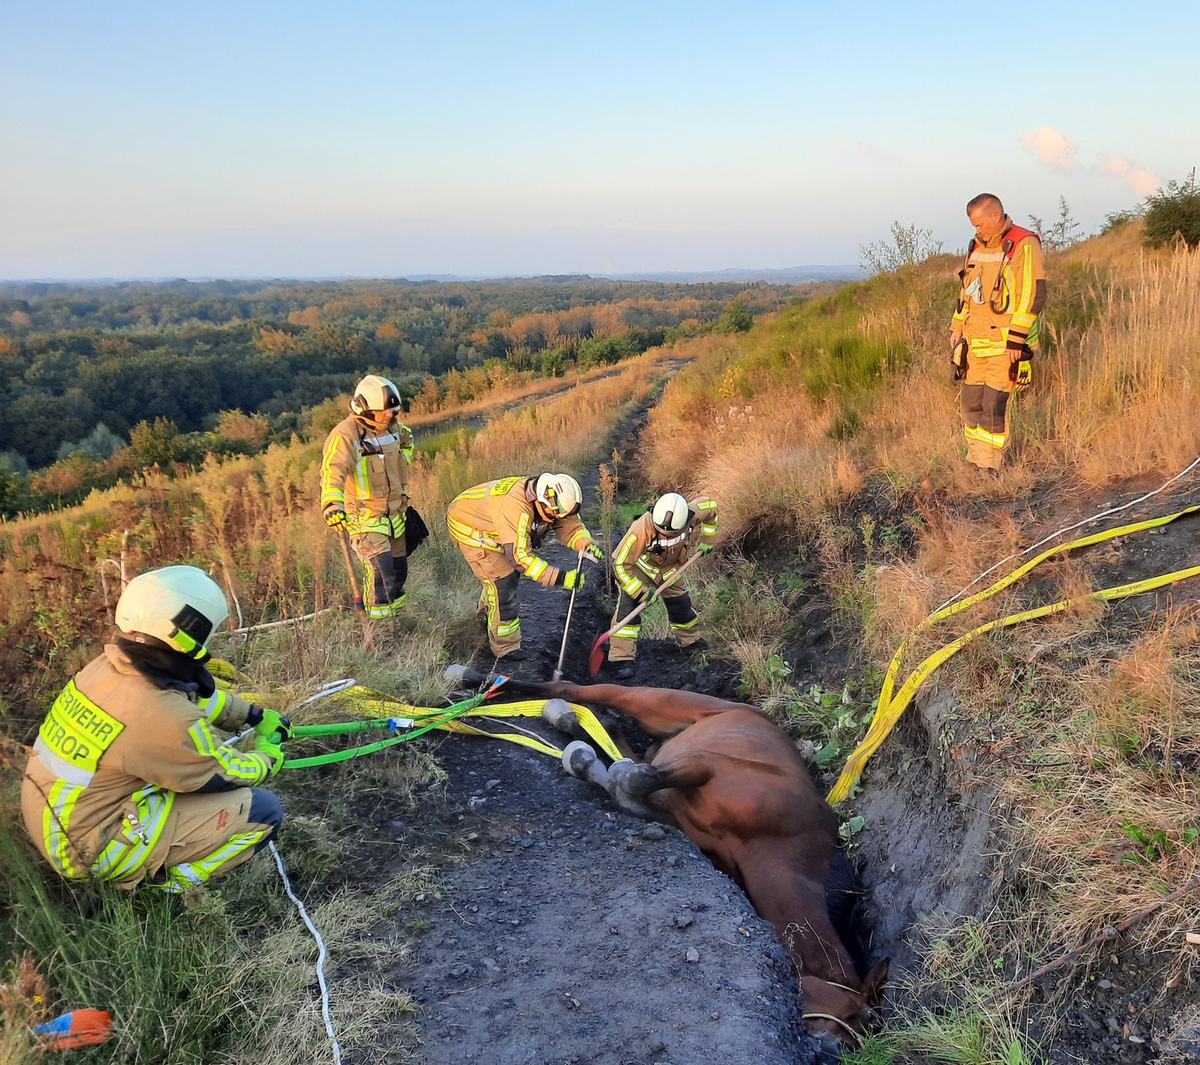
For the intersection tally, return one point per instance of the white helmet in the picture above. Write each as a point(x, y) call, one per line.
point(559, 494)
point(374, 393)
point(179, 605)
point(670, 513)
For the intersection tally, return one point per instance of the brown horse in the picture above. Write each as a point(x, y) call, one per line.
point(733, 782)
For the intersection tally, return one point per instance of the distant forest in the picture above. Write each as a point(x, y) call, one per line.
point(98, 381)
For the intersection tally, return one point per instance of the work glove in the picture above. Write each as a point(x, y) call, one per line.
point(1021, 373)
point(571, 578)
point(273, 751)
point(703, 548)
point(595, 550)
point(335, 519)
point(958, 358)
point(267, 723)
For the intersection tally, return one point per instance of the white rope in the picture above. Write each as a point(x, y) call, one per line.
point(321, 954)
point(1071, 528)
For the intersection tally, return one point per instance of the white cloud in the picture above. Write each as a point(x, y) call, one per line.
point(1144, 182)
point(1052, 147)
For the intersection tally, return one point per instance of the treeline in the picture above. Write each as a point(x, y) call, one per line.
point(97, 379)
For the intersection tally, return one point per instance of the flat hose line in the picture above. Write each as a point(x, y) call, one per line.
point(889, 707)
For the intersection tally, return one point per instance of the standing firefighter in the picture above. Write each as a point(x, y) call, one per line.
point(994, 330)
point(127, 780)
point(498, 526)
point(364, 489)
point(648, 556)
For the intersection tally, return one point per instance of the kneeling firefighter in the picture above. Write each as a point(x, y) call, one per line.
point(364, 489)
point(647, 558)
point(498, 525)
point(126, 780)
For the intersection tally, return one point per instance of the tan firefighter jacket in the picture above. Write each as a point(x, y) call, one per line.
point(1003, 291)
point(501, 516)
point(110, 756)
point(365, 473)
point(646, 558)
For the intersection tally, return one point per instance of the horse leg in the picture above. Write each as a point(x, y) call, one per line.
point(622, 780)
point(557, 713)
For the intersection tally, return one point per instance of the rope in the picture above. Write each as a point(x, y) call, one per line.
point(1071, 528)
point(889, 707)
point(322, 954)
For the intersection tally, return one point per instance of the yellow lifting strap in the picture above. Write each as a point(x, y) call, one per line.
point(889, 707)
point(366, 702)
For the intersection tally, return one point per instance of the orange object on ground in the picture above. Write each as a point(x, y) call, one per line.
point(79, 1028)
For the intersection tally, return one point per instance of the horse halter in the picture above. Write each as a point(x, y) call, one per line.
point(854, 1034)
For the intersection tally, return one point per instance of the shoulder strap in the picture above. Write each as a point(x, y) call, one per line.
point(1013, 236)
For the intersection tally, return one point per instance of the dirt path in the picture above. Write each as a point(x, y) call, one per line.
point(568, 931)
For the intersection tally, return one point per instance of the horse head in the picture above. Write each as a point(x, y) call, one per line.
point(839, 1013)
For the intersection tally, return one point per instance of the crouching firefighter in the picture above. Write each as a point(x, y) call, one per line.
point(644, 563)
point(127, 780)
point(498, 526)
point(364, 489)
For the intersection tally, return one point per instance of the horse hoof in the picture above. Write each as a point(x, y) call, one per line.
point(463, 677)
point(557, 713)
point(577, 758)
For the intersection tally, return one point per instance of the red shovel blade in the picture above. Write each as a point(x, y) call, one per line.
point(597, 659)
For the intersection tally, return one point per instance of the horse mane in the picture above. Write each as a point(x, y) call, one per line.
point(845, 900)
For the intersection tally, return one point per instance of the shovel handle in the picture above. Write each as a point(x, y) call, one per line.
point(567, 626)
point(647, 601)
point(359, 607)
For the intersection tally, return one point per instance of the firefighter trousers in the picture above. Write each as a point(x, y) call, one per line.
point(499, 597)
point(985, 409)
point(385, 566)
point(685, 625)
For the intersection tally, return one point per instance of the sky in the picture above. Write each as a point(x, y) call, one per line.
point(383, 138)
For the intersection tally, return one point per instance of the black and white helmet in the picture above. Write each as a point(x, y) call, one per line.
point(179, 605)
point(374, 393)
point(670, 513)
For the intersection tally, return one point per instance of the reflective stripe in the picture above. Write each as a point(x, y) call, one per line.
point(629, 632)
point(60, 767)
point(56, 820)
point(387, 610)
point(507, 628)
point(122, 855)
point(239, 767)
point(194, 873)
point(681, 626)
point(975, 432)
point(214, 704)
point(331, 493)
point(465, 534)
point(526, 561)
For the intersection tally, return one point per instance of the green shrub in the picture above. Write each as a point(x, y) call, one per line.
point(1174, 212)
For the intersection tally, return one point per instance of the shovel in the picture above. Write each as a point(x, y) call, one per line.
point(359, 608)
point(567, 627)
point(597, 659)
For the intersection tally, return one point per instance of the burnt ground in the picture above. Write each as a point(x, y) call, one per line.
point(563, 930)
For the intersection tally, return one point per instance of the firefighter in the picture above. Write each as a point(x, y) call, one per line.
point(127, 780)
point(656, 545)
point(364, 489)
point(498, 526)
point(994, 333)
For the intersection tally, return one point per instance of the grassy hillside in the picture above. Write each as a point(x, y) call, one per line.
point(829, 433)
